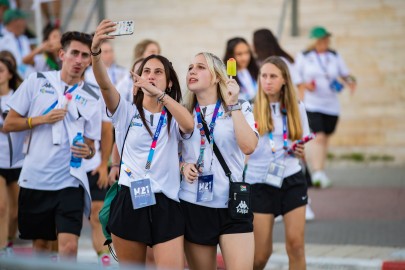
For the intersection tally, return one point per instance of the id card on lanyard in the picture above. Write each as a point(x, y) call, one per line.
point(141, 190)
point(275, 173)
point(205, 185)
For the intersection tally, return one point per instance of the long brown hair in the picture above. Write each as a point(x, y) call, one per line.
point(288, 102)
point(174, 92)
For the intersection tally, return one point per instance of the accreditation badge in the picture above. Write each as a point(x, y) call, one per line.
point(275, 174)
point(205, 190)
point(142, 194)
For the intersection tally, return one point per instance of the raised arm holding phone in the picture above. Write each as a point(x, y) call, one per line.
point(147, 134)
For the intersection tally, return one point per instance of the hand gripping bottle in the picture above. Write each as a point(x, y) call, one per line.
point(231, 67)
point(76, 162)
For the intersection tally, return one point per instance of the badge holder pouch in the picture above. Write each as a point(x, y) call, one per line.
point(141, 193)
point(275, 174)
point(205, 188)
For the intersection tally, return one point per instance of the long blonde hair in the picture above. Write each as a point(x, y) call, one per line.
point(218, 72)
point(288, 100)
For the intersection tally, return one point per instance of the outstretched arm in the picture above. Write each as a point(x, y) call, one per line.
point(110, 94)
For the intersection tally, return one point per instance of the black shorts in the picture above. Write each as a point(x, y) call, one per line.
point(204, 225)
point(320, 122)
point(43, 214)
point(11, 175)
point(267, 199)
point(97, 194)
point(151, 225)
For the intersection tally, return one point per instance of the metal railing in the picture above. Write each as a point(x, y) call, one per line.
point(294, 18)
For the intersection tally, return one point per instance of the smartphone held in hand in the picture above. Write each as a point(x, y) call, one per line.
point(123, 28)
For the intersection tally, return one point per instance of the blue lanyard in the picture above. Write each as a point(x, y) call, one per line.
point(155, 138)
point(200, 161)
point(285, 142)
point(324, 68)
point(56, 102)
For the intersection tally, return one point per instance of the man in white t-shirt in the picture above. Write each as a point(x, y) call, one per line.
point(53, 194)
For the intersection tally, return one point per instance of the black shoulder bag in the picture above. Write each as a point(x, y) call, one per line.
point(239, 192)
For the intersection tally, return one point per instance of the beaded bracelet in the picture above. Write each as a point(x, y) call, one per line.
point(162, 96)
point(95, 53)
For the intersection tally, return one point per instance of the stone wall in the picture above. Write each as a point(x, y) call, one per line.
point(368, 33)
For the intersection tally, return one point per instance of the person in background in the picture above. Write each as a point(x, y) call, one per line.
point(322, 75)
point(14, 39)
point(115, 72)
point(10, 57)
point(51, 11)
point(53, 194)
point(4, 5)
point(278, 184)
point(145, 48)
point(214, 100)
point(265, 44)
point(45, 57)
point(9, 172)
point(246, 77)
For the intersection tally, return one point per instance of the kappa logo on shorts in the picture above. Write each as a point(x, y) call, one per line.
point(242, 208)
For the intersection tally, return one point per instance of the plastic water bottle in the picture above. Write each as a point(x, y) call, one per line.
point(76, 162)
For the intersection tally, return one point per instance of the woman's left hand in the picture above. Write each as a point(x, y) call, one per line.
point(140, 82)
point(299, 151)
point(232, 93)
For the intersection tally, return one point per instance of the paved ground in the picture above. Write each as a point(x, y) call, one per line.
point(360, 222)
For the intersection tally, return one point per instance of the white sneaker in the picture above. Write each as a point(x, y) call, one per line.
point(320, 179)
point(309, 214)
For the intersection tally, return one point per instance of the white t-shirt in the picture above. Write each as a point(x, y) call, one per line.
point(115, 73)
point(259, 161)
point(19, 47)
point(40, 64)
point(47, 165)
point(224, 137)
point(322, 68)
point(164, 172)
point(293, 72)
point(4, 141)
point(125, 87)
point(94, 162)
point(248, 85)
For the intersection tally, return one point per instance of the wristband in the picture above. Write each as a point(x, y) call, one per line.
point(90, 155)
point(182, 168)
point(162, 96)
point(29, 122)
point(115, 165)
point(95, 53)
point(235, 107)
